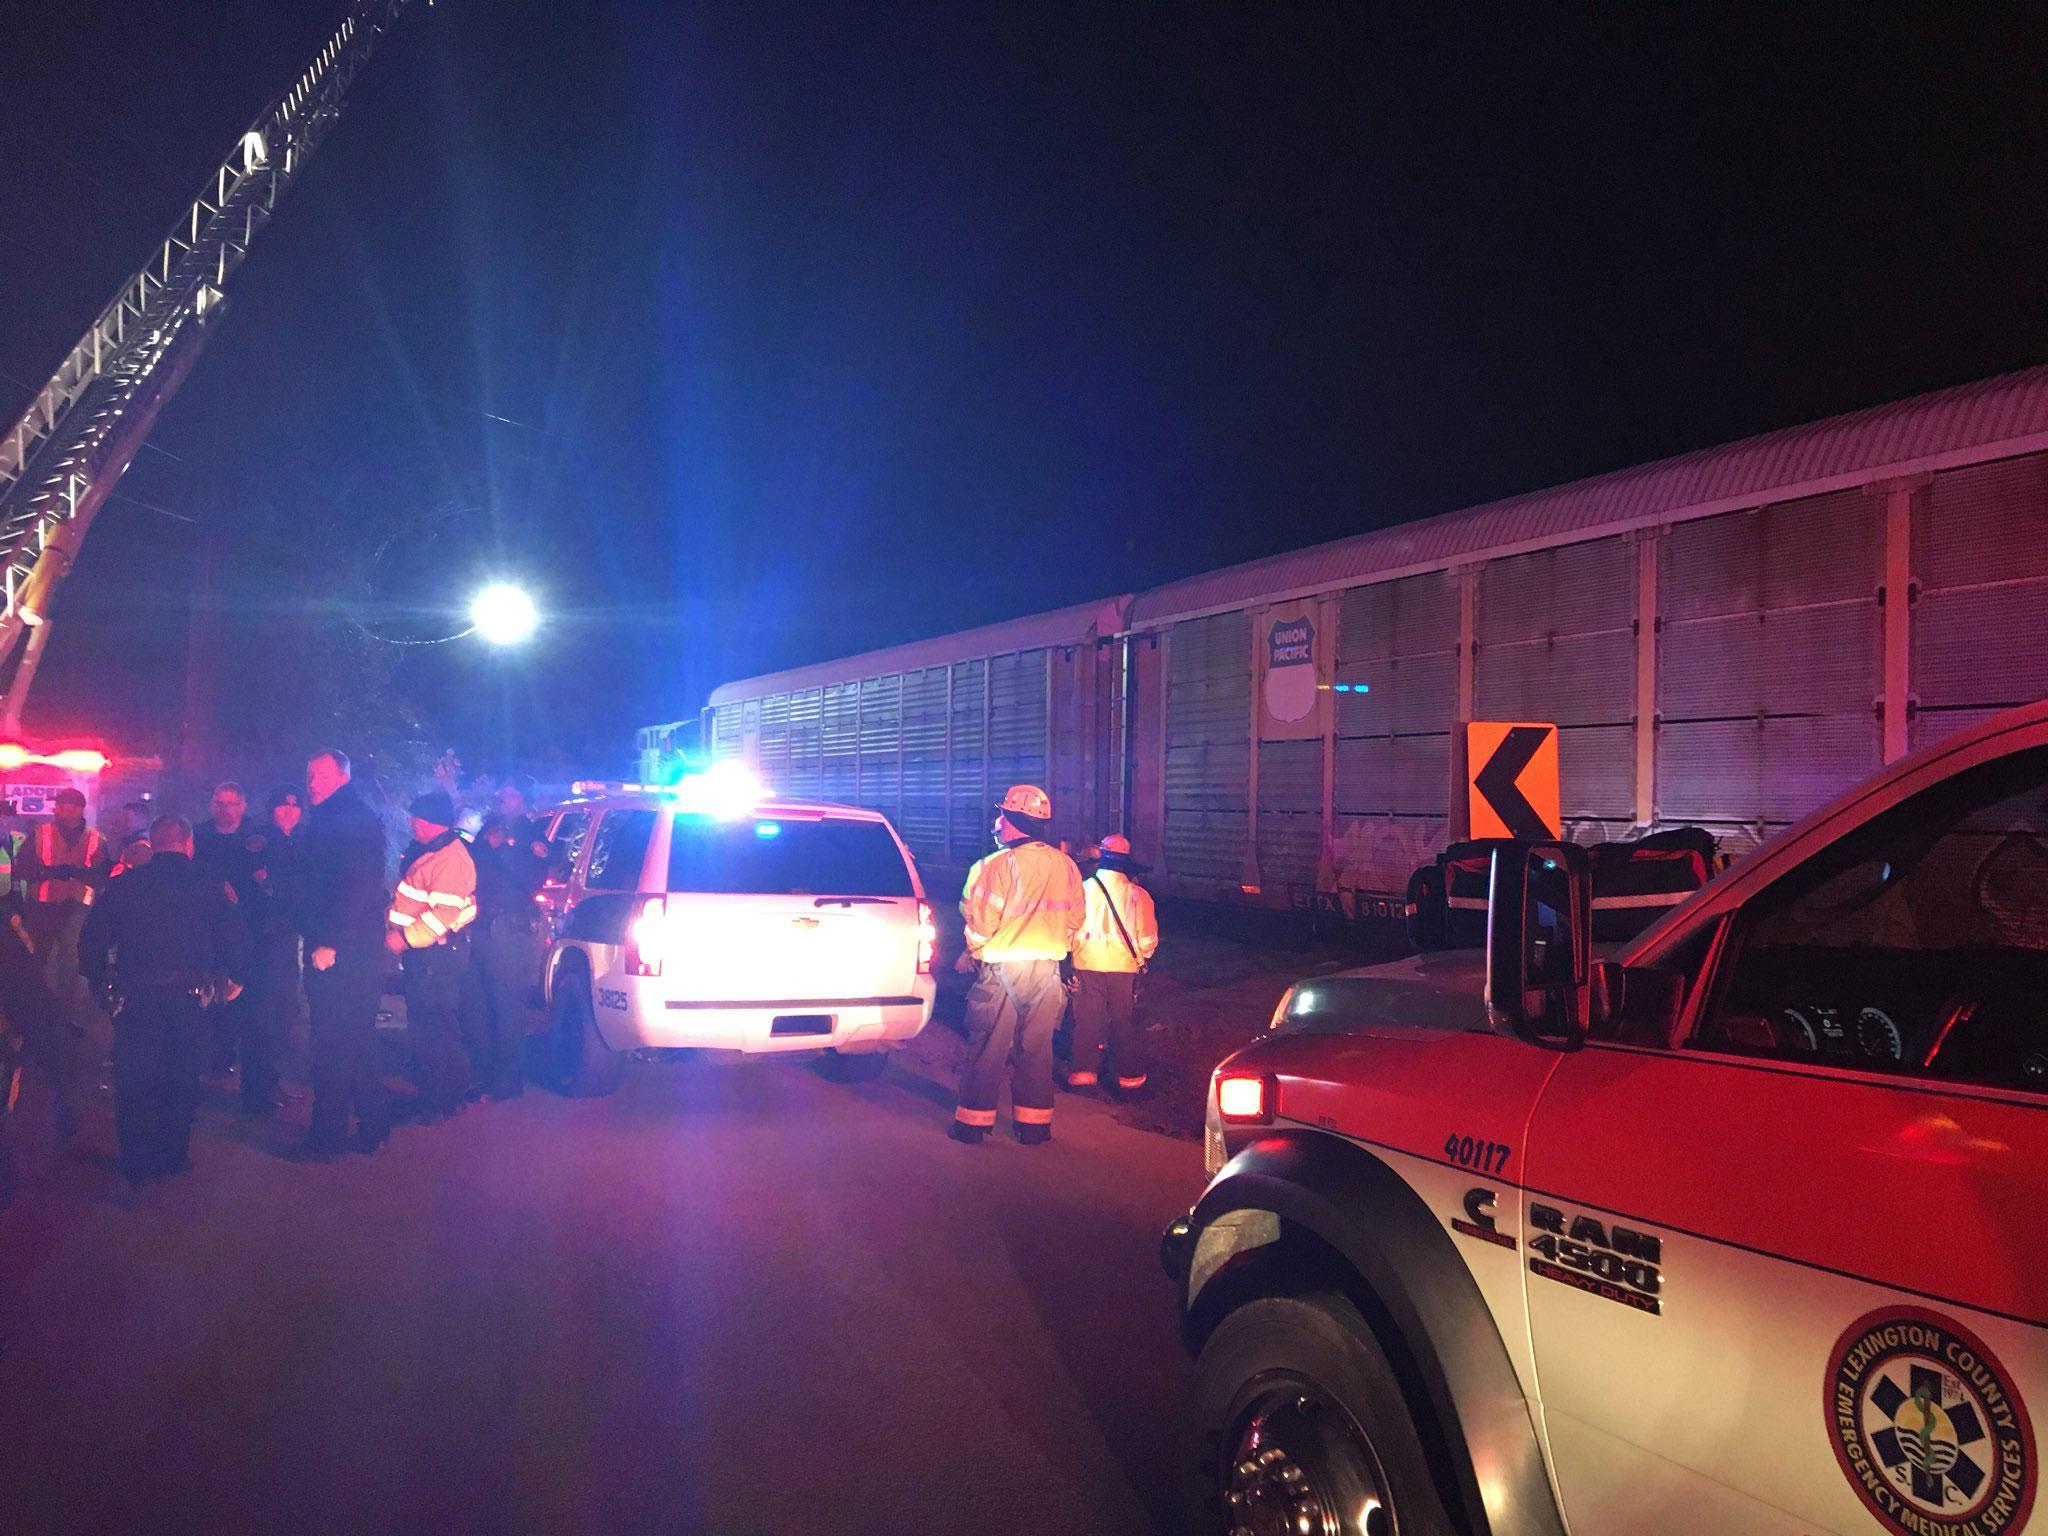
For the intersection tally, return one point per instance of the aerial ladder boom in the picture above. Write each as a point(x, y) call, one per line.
point(61, 459)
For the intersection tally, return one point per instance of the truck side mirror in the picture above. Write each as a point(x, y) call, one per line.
point(1539, 924)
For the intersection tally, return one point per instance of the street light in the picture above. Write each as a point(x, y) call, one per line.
point(503, 614)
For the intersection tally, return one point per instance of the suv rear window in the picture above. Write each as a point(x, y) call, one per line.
point(767, 857)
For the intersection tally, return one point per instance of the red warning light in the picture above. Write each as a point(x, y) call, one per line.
point(14, 755)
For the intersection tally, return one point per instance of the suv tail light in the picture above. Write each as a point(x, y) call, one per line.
point(927, 938)
point(646, 937)
point(1245, 1098)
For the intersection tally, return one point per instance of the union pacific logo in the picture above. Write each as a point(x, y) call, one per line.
point(1928, 1428)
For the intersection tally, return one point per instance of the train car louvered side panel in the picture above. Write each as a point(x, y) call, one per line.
point(1556, 641)
point(922, 819)
point(1392, 787)
point(806, 740)
point(1980, 624)
point(841, 743)
point(1017, 719)
point(1290, 813)
point(968, 796)
point(773, 763)
point(881, 744)
point(1208, 747)
point(728, 732)
point(1768, 661)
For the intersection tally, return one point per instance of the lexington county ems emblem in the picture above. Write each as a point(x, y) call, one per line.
point(1927, 1427)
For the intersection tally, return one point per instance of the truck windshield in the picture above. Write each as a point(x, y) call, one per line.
point(763, 856)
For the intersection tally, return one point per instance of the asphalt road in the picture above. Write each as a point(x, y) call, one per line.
point(729, 1299)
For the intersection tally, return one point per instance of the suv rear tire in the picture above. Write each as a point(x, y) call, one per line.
point(1304, 1426)
point(853, 1067)
point(586, 1068)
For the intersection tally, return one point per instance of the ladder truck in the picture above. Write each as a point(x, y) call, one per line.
point(61, 459)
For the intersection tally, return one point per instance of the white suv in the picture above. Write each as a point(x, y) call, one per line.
point(708, 916)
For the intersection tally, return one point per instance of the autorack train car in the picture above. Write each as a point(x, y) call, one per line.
point(1725, 639)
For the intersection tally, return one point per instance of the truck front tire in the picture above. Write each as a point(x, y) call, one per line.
point(1302, 1418)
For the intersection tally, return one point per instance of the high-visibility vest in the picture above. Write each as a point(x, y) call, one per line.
point(1102, 945)
point(47, 854)
point(1022, 903)
point(436, 896)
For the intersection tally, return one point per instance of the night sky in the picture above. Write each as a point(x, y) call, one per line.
point(754, 334)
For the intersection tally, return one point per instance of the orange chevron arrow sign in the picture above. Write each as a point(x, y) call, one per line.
point(1511, 768)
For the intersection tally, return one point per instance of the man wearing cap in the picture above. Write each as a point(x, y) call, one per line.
point(1119, 934)
point(341, 915)
point(430, 912)
point(1023, 907)
point(62, 868)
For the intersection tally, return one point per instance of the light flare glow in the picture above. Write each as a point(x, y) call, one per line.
point(504, 614)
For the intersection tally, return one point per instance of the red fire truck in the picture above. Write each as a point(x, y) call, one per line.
point(30, 778)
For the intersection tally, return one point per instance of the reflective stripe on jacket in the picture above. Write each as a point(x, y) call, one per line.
point(436, 895)
point(1099, 946)
point(90, 851)
point(1022, 903)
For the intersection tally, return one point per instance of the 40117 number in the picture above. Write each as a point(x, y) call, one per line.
point(1472, 1152)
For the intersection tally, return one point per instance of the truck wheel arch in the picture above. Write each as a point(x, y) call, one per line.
point(1336, 1203)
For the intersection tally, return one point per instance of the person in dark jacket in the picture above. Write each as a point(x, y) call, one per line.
point(32, 1032)
point(131, 830)
point(341, 915)
point(174, 940)
point(511, 864)
point(274, 981)
point(221, 848)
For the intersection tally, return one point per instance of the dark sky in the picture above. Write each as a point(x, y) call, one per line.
point(818, 327)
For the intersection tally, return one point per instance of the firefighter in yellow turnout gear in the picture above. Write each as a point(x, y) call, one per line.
point(433, 905)
point(1023, 906)
point(59, 871)
point(1117, 941)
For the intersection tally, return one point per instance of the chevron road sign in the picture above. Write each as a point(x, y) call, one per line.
point(1511, 768)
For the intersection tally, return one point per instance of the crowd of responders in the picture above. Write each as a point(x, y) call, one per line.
point(181, 957)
